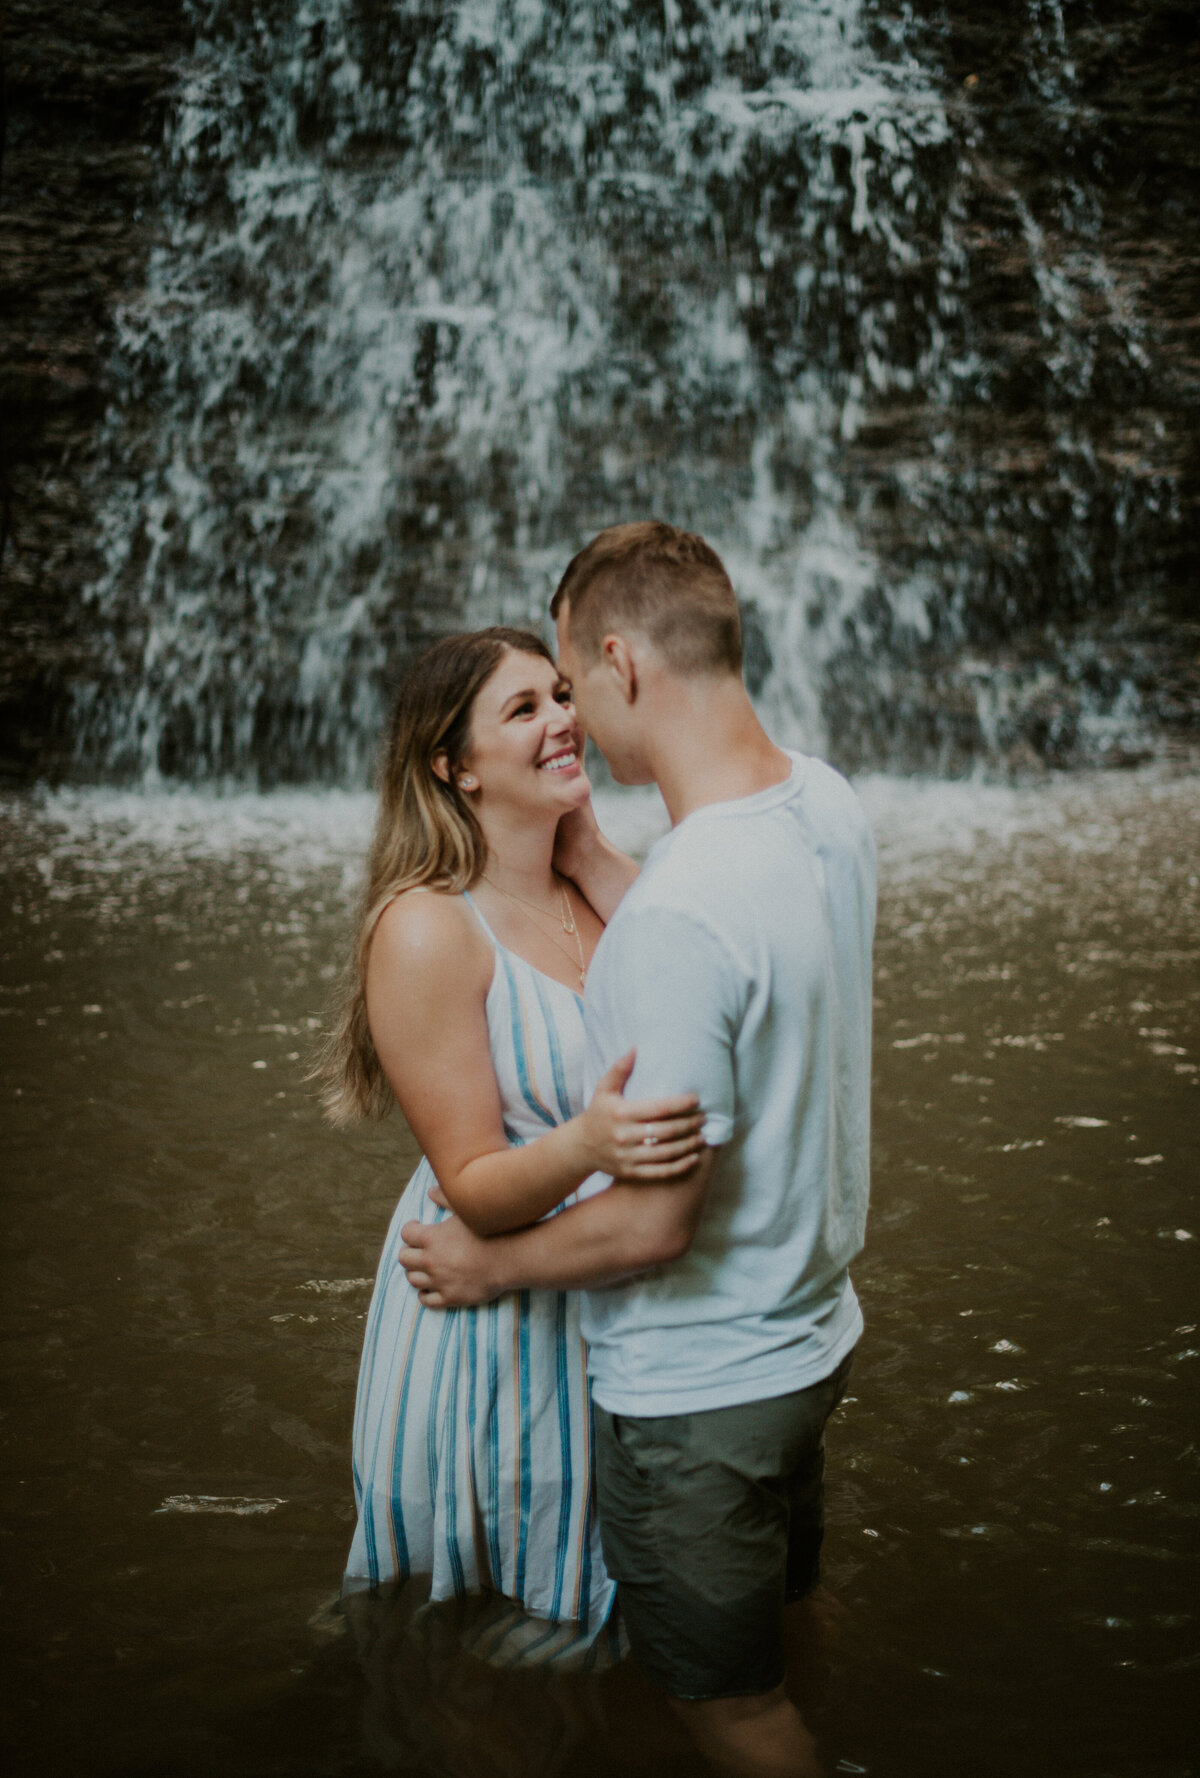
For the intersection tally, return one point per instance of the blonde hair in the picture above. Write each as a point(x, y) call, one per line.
point(668, 585)
point(426, 834)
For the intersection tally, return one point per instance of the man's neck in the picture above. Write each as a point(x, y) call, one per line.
point(709, 746)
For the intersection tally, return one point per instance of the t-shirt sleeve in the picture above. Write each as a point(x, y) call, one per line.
point(672, 991)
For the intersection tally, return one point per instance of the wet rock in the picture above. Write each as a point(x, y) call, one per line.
point(85, 89)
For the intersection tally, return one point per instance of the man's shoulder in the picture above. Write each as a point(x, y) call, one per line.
point(671, 901)
point(671, 912)
point(825, 784)
point(676, 881)
point(700, 872)
point(832, 805)
point(716, 848)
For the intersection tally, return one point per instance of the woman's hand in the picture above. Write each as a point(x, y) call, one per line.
point(642, 1139)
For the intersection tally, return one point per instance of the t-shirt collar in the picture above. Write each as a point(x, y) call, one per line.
point(758, 800)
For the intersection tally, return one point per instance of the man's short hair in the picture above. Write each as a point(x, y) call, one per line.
point(667, 585)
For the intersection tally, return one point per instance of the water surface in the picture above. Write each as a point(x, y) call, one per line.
point(1013, 1492)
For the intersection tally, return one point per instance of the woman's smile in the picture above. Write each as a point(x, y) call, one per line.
point(565, 760)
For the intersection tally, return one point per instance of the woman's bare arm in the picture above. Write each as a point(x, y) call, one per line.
point(600, 871)
point(428, 975)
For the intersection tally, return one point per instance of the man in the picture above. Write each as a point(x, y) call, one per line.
point(738, 967)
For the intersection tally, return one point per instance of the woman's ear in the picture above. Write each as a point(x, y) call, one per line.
point(442, 769)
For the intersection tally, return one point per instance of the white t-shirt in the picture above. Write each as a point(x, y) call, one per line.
point(739, 966)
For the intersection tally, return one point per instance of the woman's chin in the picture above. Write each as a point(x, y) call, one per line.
point(571, 788)
point(576, 793)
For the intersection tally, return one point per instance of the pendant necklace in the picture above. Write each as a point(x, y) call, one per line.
point(565, 918)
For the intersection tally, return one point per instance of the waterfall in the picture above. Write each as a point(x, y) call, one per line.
point(441, 289)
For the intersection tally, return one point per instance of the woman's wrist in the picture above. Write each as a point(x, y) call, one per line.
point(582, 857)
point(579, 843)
point(579, 1159)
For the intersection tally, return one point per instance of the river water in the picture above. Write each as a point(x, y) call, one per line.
point(1013, 1479)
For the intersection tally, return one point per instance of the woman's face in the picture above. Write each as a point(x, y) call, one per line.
point(525, 748)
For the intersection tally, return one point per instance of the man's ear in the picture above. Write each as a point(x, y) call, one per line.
point(618, 657)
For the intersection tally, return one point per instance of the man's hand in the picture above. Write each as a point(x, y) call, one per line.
point(448, 1266)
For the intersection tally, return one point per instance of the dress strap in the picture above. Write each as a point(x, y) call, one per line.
point(470, 901)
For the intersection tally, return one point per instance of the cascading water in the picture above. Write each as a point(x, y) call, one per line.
point(443, 289)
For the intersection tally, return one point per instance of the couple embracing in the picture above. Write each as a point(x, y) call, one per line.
point(613, 1312)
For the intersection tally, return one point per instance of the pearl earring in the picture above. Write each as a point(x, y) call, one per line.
point(466, 781)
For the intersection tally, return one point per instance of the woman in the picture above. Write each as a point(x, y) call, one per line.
point(472, 1448)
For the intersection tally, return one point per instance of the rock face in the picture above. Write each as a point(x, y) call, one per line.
point(86, 88)
point(333, 326)
point(1082, 205)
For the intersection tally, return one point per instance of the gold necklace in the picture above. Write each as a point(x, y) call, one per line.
point(563, 917)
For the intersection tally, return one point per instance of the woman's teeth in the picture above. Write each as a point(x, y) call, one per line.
point(558, 764)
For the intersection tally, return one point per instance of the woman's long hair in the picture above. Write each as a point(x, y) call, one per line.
point(426, 833)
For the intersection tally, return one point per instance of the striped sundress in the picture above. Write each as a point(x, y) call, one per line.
point(472, 1427)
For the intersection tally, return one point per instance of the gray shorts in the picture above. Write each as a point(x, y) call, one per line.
point(711, 1522)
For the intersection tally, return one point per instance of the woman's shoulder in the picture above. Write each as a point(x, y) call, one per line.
point(424, 930)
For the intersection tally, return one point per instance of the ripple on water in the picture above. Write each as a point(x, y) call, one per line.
point(191, 1248)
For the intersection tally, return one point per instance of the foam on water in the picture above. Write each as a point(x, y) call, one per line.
point(299, 829)
point(919, 824)
point(233, 1505)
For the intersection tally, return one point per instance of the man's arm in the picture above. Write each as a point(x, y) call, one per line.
point(622, 1231)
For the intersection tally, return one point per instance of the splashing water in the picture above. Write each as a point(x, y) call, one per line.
point(442, 290)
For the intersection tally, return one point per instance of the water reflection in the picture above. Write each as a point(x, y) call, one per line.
point(1013, 1501)
point(450, 1692)
point(456, 1688)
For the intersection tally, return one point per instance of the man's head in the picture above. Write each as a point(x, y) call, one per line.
point(640, 602)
